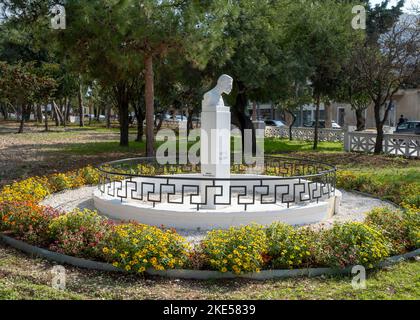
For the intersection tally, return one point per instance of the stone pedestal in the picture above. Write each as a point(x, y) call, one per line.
point(215, 155)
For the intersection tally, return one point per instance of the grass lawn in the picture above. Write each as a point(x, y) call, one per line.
point(37, 153)
point(271, 146)
point(22, 277)
point(284, 145)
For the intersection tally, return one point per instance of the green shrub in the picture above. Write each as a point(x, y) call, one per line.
point(27, 221)
point(90, 175)
point(137, 247)
point(412, 221)
point(398, 185)
point(236, 249)
point(289, 247)
point(352, 243)
point(393, 226)
point(80, 233)
point(32, 189)
point(351, 180)
point(60, 182)
point(411, 195)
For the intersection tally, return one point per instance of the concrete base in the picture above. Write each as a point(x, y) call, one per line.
point(186, 216)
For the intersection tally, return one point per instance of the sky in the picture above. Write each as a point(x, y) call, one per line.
point(408, 3)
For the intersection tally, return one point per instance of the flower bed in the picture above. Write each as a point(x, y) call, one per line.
point(137, 248)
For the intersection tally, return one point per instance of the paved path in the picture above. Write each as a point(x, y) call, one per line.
point(353, 207)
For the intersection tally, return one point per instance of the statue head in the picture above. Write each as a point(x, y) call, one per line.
point(225, 83)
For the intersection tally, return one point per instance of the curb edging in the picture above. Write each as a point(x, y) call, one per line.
point(194, 274)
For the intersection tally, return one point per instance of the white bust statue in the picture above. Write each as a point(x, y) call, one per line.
point(213, 98)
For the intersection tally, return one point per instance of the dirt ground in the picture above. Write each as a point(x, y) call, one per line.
point(36, 152)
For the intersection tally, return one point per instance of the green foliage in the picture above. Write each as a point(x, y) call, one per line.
point(352, 243)
point(289, 248)
point(237, 249)
point(90, 175)
point(393, 226)
point(136, 247)
point(397, 185)
point(412, 222)
point(80, 233)
point(22, 83)
point(33, 189)
point(322, 36)
point(274, 145)
point(27, 221)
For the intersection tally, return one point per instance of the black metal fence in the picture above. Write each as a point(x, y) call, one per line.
point(281, 180)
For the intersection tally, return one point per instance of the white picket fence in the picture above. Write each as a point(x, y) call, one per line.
point(305, 134)
point(394, 144)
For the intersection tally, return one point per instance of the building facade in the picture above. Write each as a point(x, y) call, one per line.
point(405, 102)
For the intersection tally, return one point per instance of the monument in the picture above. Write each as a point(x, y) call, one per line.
point(217, 194)
point(215, 144)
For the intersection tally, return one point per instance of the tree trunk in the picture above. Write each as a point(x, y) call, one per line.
point(316, 123)
point(38, 113)
point(140, 118)
point(19, 113)
point(292, 124)
point(254, 111)
point(60, 113)
point(328, 115)
point(90, 112)
point(140, 128)
point(22, 120)
point(123, 104)
point(240, 117)
point(190, 125)
point(4, 111)
point(360, 120)
point(55, 114)
point(81, 110)
point(26, 114)
point(149, 98)
point(46, 118)
point(379, 128)
point(160, 122)
point(67, 112)
point(66, 102)
point(97, 113)
point(124, 125)
point(379, 139)
point(108, 116)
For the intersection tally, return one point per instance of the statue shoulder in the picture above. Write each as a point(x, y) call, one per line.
point(210, 97)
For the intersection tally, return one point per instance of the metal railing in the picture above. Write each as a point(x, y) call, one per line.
point(281, 181)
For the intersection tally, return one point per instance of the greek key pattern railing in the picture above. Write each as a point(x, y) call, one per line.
point(394, 144)
point(243, 190)
point(305, 134)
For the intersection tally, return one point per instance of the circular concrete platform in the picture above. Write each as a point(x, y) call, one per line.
point(187, 217)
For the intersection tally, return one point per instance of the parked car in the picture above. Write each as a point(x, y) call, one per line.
point(412, 127)
point(334, 125)
point(180, 118)
point(275, 123)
